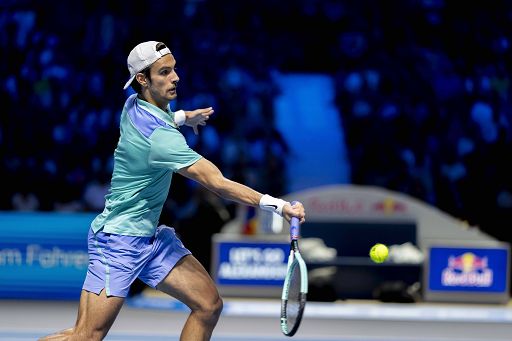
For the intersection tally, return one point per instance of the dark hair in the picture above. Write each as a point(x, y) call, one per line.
point(135, 84)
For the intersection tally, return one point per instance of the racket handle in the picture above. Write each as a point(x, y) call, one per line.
point(294, 226)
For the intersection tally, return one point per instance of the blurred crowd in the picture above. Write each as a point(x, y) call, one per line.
point(423, 90)
point(424, 94)
point(62, 78)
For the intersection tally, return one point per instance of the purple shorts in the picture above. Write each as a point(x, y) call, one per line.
point(115, 261)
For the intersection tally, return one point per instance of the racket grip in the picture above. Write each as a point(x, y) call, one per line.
point(294, 226)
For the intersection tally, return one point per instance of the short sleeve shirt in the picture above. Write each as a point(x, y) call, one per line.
point(150, 149)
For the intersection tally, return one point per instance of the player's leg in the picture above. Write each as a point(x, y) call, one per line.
point(190, 283)
point(59, 336)
point(110, 270)
point(173, 270)
point(96, 314)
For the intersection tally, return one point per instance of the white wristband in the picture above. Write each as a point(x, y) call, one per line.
point(180, 118)
point(269, 203)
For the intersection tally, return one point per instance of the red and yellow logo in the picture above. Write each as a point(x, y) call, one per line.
point(389, 206)
point(467, 270)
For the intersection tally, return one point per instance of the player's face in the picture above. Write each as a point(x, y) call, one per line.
point(164, 80)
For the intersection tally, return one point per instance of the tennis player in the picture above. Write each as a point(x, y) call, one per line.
point(125, 241)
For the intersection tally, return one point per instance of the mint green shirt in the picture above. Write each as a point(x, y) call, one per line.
point(150, 149)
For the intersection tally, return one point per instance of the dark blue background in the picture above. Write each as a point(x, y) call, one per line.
point(423, 89)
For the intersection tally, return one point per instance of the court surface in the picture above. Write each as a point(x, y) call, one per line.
point(156, 318)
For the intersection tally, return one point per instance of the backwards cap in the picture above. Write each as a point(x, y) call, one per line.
point(142, 56)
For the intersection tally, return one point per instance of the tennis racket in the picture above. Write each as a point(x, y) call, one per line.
point(295, 287)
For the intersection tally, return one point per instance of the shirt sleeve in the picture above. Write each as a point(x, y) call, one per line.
point(169, 149)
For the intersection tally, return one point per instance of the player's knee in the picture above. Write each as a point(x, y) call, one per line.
point(214, 308)
point(211, 309)
point(217, 306)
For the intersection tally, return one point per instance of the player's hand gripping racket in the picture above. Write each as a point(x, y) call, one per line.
point(295, 288)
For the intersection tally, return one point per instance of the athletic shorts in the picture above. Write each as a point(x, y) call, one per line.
point(115, 261)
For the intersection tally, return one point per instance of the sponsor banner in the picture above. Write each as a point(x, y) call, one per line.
point(252, 263)
point(43, 255)
point(346, 201)
point(468, 269)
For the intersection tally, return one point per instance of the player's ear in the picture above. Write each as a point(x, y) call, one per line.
point(141, 78)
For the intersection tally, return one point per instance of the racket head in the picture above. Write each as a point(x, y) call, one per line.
point(294, 295)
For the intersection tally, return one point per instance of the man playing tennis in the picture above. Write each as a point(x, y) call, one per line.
point(125, 241)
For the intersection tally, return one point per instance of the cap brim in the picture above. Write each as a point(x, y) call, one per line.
point(129, 82)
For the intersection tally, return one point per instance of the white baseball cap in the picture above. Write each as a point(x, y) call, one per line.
point(142, 56)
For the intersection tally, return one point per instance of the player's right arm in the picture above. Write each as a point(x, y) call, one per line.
point(207, 174)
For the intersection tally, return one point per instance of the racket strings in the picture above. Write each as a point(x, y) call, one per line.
point(293, 305)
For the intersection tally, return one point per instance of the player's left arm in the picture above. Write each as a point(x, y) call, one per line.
point(207, 174)
point(193, 118)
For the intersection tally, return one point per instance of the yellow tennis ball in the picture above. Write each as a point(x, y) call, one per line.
point(379, 253)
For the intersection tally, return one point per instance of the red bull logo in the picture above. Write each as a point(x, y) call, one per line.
point(467, 270)
point(390, 206)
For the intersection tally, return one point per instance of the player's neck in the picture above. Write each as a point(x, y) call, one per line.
point(148, 98)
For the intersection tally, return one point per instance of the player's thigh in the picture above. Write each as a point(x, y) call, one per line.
point(189, 282)
point(97, 313)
